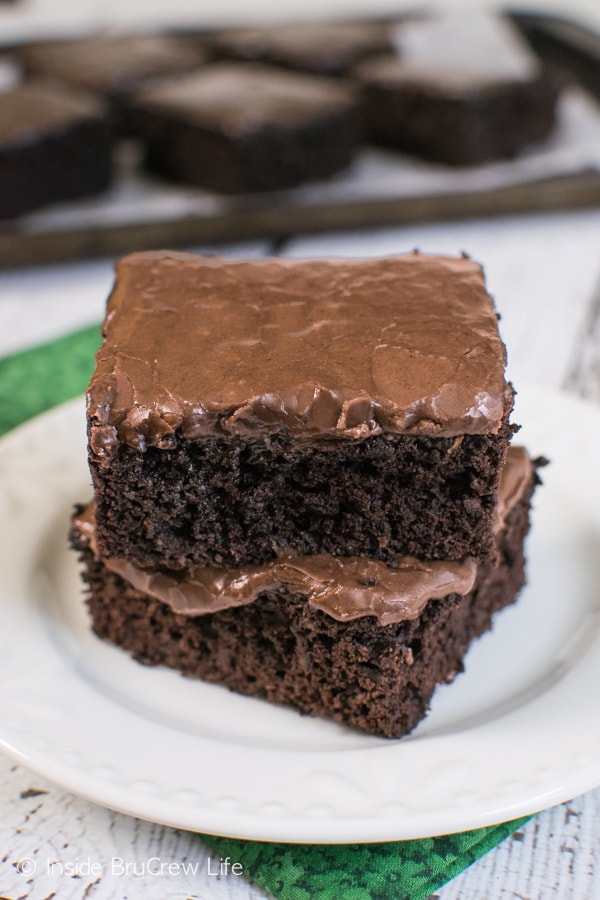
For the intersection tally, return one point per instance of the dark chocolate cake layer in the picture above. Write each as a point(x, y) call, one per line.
point(463, 90)
point(243, 410)
point(237, 128)
point(236, 500)
point(55, 144)
point(377, 678)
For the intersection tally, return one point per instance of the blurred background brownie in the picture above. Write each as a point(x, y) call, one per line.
point(463, 90)
point(113, 65)
point(55, 144)
point(324, 48)
point(235, 128)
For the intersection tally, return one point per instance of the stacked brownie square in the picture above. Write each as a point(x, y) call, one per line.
point(302, 476)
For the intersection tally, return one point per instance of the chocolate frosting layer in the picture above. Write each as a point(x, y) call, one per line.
point(112, 63)
point(516, 475)
point(344, 588)
point(36, 108)
point(240, 98)
point(322, 47)
point(322, 349)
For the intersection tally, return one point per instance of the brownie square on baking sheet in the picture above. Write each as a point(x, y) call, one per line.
point(237, 128)
point(462, 90)
point(55, 144)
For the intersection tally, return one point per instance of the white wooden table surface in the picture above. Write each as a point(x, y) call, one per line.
point(545, 274)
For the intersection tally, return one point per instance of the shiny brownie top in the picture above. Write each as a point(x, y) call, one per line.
point(322, 349)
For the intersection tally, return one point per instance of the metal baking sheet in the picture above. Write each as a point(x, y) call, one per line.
point(381, 188)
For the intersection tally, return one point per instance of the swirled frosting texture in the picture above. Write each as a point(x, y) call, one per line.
point(318, 348)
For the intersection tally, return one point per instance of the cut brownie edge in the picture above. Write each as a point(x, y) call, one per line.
point(235, 501)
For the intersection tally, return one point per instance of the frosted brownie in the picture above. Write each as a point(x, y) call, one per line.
point(348, 639)
point(463, 90)
point(55, 144)
point(237, 128)
point(240, 411)
point(111, 65)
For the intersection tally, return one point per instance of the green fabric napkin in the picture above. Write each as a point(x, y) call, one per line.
point(400, 870)
point(35, 380)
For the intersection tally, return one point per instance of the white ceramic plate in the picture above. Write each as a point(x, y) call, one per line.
point(519, 731)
